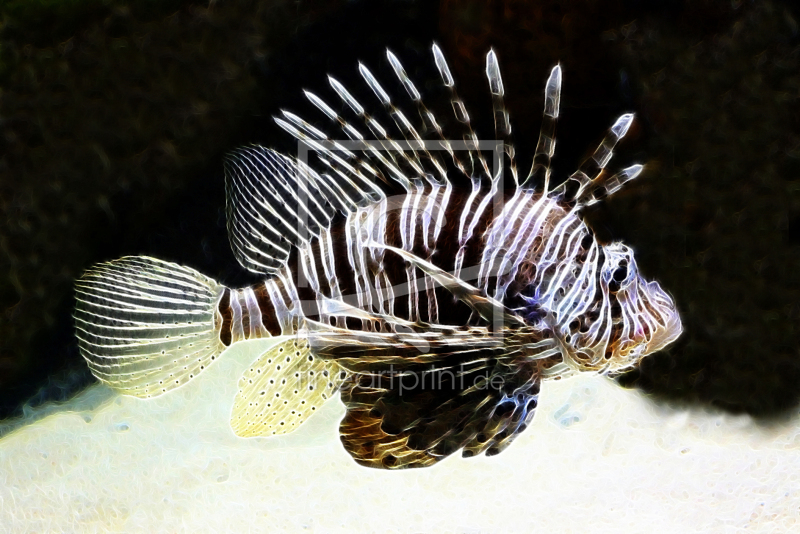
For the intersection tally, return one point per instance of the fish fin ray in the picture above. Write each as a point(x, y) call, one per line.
point(604, 186)
point(545, 148)
point(404, 345)
point(585, 184)
point(502, 123)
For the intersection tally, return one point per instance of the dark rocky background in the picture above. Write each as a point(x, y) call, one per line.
point(115, 115)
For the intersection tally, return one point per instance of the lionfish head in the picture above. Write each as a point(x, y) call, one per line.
point(643, 317)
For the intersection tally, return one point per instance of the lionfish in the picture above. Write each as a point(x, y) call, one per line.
point(401, 269)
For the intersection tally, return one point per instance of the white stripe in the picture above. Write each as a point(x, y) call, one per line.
point(254, 313)
point(237, 329)
point(282, 314)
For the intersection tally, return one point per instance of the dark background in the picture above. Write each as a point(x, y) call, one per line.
point(115, 115)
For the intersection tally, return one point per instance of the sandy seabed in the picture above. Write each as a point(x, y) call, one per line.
point(597, 458)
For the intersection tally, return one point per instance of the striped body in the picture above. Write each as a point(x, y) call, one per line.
point(350, 263)
point(534, 256)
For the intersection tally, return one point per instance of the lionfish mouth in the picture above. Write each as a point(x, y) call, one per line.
point(669, 318)
point(668, 334)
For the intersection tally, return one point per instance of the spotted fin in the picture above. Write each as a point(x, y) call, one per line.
point(146, 326)
point(282, 388)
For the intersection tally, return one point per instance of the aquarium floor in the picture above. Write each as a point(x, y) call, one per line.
point(597, 458)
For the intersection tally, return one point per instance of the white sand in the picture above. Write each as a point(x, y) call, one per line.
point(597, 458)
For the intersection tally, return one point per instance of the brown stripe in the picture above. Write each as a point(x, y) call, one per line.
point(447, 244)
point(226, 314)
point(341, 266)
point(267, 310)
point(316, 259)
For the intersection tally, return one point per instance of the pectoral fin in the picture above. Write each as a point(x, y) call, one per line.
point(422, 415)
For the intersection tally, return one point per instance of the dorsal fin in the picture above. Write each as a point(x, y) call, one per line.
point(590, 183)
point(275, 202)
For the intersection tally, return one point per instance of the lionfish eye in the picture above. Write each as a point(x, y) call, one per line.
point(621, 273)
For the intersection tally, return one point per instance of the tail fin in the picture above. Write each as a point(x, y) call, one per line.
point(146, 326)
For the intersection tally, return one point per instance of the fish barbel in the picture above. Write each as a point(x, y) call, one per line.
point(409, 267)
